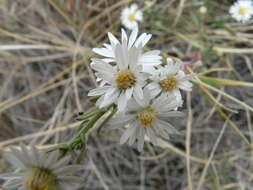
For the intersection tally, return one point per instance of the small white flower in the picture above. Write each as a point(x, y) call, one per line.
point(151, 118)
point(169, 80)
point(242, 10)
point(38, 171)
point(130, 16)
point(203, 9)
point(148, 59)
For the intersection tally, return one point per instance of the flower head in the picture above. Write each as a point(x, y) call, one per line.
point(242, 10)
point(130, 16)
point(203, 9)
point(149, 117)
point(38, 171)
point(123, 81)
point(126, 78)
point(169, 80)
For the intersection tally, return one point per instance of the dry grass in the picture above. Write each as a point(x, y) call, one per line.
point(45, 76)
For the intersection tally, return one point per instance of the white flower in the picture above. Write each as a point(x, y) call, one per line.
point(123, 81)
point(148, 59)
point(203, 9)
point(38, 171)
point(147, 118)
point(242, 10)
point(130, 16)
point(126, 78)
point(169, 80)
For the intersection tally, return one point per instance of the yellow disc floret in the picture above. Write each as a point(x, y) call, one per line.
point(168, 83)
point(125, 79)
point(39, 179)
point(243, 10)
point(131, 17)
point(146, 116)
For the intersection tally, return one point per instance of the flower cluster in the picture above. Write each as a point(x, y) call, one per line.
point(145, 90)
point(242, 10)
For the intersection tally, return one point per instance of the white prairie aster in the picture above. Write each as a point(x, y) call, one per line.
point(123, 81)
point(242, 10)
point(130, 16)
point(147, 59)
point(150, 118)
point(169, 80)
point(38, 171)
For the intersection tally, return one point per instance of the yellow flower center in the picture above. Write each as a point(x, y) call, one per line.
point(168, 83)
point(125, 79)
point(39, 179)
point(146, 116)
point(131, 17)
point(243, 10)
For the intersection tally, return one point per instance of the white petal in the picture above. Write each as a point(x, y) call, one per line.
point(134, 54)
point(51, 159)
point(108, 60)
point(132, 37)
point(122, 119)
point(129, 93)
point(70, 179)
point(108, 77)
point(132, 105)
point(11, 176)
point(178, 95)
point(123, 35)
point(140, 39)
point(14, 161)
point(133, 137)
point(166, 115)
point(119, 57)
point(166, 126)
point(104, 52)
point(153, 86)
point(128, 133)
point(26, 152)
point(104, 67)
point(185, 85)
point(148, 69)
point(122, 102)
point(141, 139)
point(110, 99)
point(151, 135)
point(155, 92)
point(138, 15)
point(99, 91)
point(12, 184)
point(18, 154)
point(112, 39)
point(61, 162)
point(138, 91)
point(146, 39)
point(35, 156)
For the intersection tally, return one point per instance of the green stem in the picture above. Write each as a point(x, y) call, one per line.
point(77, 139)
point(90, 124)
